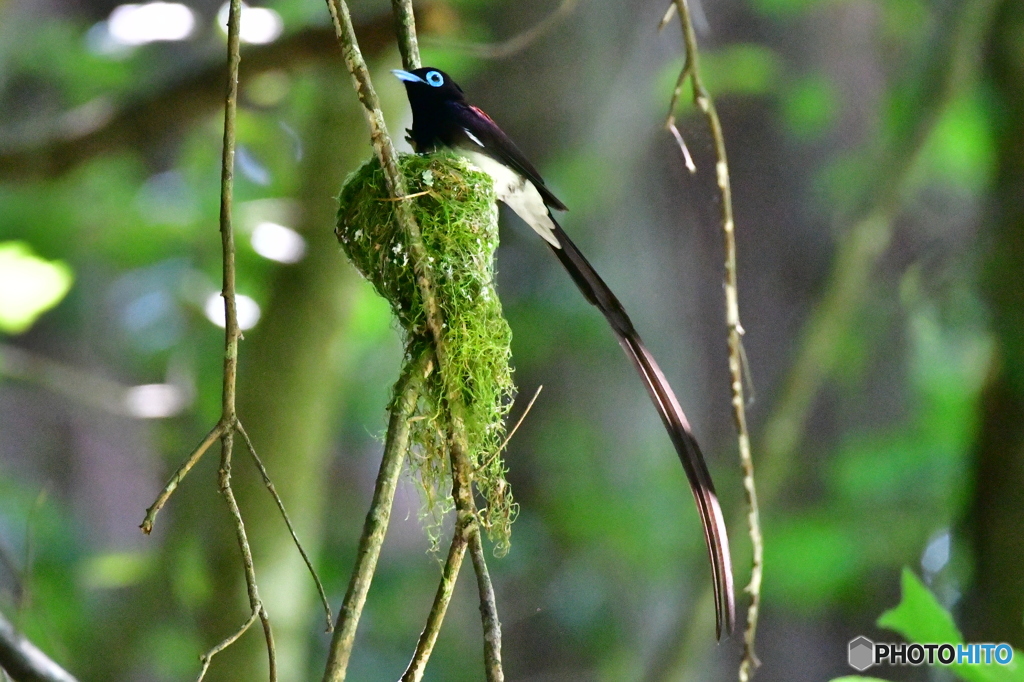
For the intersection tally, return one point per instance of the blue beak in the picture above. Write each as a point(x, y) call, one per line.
point(407, 77)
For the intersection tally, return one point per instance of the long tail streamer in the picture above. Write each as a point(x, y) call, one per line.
point(664, 399)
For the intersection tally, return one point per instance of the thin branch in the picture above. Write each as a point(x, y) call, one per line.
point(287, 521)
point(706, 104)
point(407, 393)
point(255, 603)
point(207, 658)
point(515, 44)
point(11, 566)
point(488, 608)
point(450, 573)
point(179, 475)
point(229, 420)
point(519, 422)
point(89, 388)
point(23, 661)
point(690, 165)
point(522, 418)
point(25, 595)
point(954, 57)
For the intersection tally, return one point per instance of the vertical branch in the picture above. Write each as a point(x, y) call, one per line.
point(232, 333)
point(407, 393)
point(488, 607)
point(462, 472)
point(227, 234)
point(704, 102)
point(405, 26)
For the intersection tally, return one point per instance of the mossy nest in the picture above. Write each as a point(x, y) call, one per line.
point(458, 218)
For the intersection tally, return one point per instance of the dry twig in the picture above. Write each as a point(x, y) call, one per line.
point(288, 522)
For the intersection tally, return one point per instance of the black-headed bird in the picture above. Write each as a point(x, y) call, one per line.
point(441, 117)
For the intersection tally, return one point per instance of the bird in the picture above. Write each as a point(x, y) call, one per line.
point(443, 118)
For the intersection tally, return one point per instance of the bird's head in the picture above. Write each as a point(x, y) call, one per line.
point(427, 87)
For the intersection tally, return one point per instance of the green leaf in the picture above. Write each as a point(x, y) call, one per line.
point(920, 618)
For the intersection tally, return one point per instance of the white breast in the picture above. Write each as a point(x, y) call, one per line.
point(517, 193)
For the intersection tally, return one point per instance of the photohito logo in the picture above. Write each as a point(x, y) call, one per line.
point(863, 653)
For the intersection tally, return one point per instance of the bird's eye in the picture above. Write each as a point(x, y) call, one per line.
point(435, 79)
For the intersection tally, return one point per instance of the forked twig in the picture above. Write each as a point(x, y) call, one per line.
point(255, 603)
point(225, 428)
point(179, 475)
point(704, 102)
point(288, 522)
point(207, 658)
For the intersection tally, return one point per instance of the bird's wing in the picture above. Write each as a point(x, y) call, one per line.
point(715, 536)
point(480, 131)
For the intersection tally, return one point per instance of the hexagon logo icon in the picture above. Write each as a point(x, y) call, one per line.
point(862, 653)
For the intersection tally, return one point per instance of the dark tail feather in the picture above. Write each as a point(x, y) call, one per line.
point(598, 293)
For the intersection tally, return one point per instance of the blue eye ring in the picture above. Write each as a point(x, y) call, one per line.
point(436, 79)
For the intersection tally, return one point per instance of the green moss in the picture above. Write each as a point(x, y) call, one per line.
point(458, 218)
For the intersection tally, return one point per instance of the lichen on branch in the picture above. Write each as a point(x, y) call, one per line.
point(454, 205)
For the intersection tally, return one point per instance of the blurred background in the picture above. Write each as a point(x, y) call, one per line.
point(877, 157)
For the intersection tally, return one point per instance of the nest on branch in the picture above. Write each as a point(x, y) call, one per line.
point(458, 218)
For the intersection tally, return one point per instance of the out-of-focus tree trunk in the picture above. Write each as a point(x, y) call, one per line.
point(996, 607)
point(288, 389)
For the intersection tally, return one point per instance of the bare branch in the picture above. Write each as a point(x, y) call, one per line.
point(405, 27)
point(255, 603)
point(407, 393)
point(488, 608)
point(704, 102)
point(24, 662)
point(207, 658)
point(179, 475)
point(954, 57)
point(450, 573)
